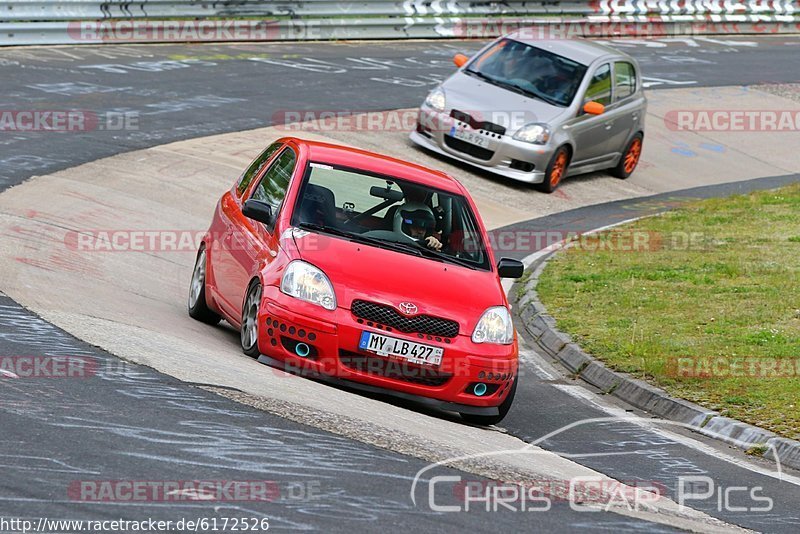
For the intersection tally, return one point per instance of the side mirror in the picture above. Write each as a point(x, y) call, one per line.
point(460, 60)
point(258, 211)
point(508, 268)
point(594, 108)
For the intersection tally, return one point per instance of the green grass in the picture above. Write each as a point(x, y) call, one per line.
point(734, 293)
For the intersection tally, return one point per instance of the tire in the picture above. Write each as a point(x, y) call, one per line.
point(630, 158)
point(556, 170)
point(198, 307)
point(248, 333)
point(487, 420)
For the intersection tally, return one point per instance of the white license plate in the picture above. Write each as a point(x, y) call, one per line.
point(408, 350)
point(470, 137)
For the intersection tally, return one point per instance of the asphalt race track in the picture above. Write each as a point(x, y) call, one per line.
point(182, 92)
point(137, 424)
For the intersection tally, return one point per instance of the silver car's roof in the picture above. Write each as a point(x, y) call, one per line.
point(579, 50)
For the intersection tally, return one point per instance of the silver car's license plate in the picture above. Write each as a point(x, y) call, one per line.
point(470, 137)
point(408, 350)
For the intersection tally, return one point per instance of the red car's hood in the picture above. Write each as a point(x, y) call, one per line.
point(359, 271)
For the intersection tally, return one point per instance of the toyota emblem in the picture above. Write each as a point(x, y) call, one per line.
point(408, 308)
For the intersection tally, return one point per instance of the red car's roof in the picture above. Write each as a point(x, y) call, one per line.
point(376, 163)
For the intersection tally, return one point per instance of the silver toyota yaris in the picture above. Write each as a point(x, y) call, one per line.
point(538, 110)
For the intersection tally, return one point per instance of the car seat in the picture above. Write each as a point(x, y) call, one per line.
point(318, 206)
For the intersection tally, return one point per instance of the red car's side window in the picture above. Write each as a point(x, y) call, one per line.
point(255, 167)
point(272, 187)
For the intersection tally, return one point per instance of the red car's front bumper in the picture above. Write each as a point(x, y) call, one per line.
point(332, 339)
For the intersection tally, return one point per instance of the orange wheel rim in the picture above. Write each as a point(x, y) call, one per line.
point(558, 169)
point(632, 157)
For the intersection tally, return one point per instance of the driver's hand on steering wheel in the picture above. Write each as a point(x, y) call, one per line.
point(432, 242)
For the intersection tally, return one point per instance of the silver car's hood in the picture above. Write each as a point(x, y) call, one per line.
point(488, 102)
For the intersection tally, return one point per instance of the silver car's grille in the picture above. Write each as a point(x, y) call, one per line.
point(476, 124)
point(468, 148)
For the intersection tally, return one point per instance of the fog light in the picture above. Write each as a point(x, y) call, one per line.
point(302, 350)
point(479, 389)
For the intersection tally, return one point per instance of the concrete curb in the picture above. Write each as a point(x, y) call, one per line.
point(549, 340)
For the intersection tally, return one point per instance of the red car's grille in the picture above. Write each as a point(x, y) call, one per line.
point(418, 324)
point(389, 368)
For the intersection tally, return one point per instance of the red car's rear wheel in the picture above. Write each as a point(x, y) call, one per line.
point(198, 308)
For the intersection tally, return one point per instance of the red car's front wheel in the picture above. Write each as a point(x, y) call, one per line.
point(249, 329)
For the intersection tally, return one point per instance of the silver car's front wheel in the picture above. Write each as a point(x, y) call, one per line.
point(556, 170)
point(249, 330)
point(198, 308)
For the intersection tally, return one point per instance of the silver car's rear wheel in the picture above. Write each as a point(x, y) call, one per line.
point(630, 157)
point(249, 329)
point(198, 308)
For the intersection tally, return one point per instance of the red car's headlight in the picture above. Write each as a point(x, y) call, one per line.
point(306, 282)
point(494, 326)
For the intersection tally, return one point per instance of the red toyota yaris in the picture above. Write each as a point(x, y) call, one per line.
point(351, 266)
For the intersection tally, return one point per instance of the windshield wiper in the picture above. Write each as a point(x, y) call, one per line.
point(416, 250)
point(481, 75)
point(431, 253)
point(435, 254)
point(540, 96)
point(514, 87)
point(358, 237)
point(527, 92)
point(325, 229)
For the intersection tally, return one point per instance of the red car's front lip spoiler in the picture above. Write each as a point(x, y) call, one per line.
point(427, 401)
point(332, 354)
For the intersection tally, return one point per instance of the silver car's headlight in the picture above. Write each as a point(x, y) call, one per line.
point(536, 133)
point(436, 99)
point(495, 326)
point(304, 281)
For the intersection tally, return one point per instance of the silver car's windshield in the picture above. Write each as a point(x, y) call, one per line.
point(529, 70)
point(390, 213)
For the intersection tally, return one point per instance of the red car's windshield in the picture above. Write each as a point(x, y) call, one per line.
point(529, 70)
point(383, 211)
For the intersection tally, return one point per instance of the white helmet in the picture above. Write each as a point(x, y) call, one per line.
point(414, 214)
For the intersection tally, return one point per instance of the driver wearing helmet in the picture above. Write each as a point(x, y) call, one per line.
point(415, 220)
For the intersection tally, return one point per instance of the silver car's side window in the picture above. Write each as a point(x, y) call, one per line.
point(624, 79)
point(600, 87)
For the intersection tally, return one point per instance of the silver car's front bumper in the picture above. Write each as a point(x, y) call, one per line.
point(502, 152)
